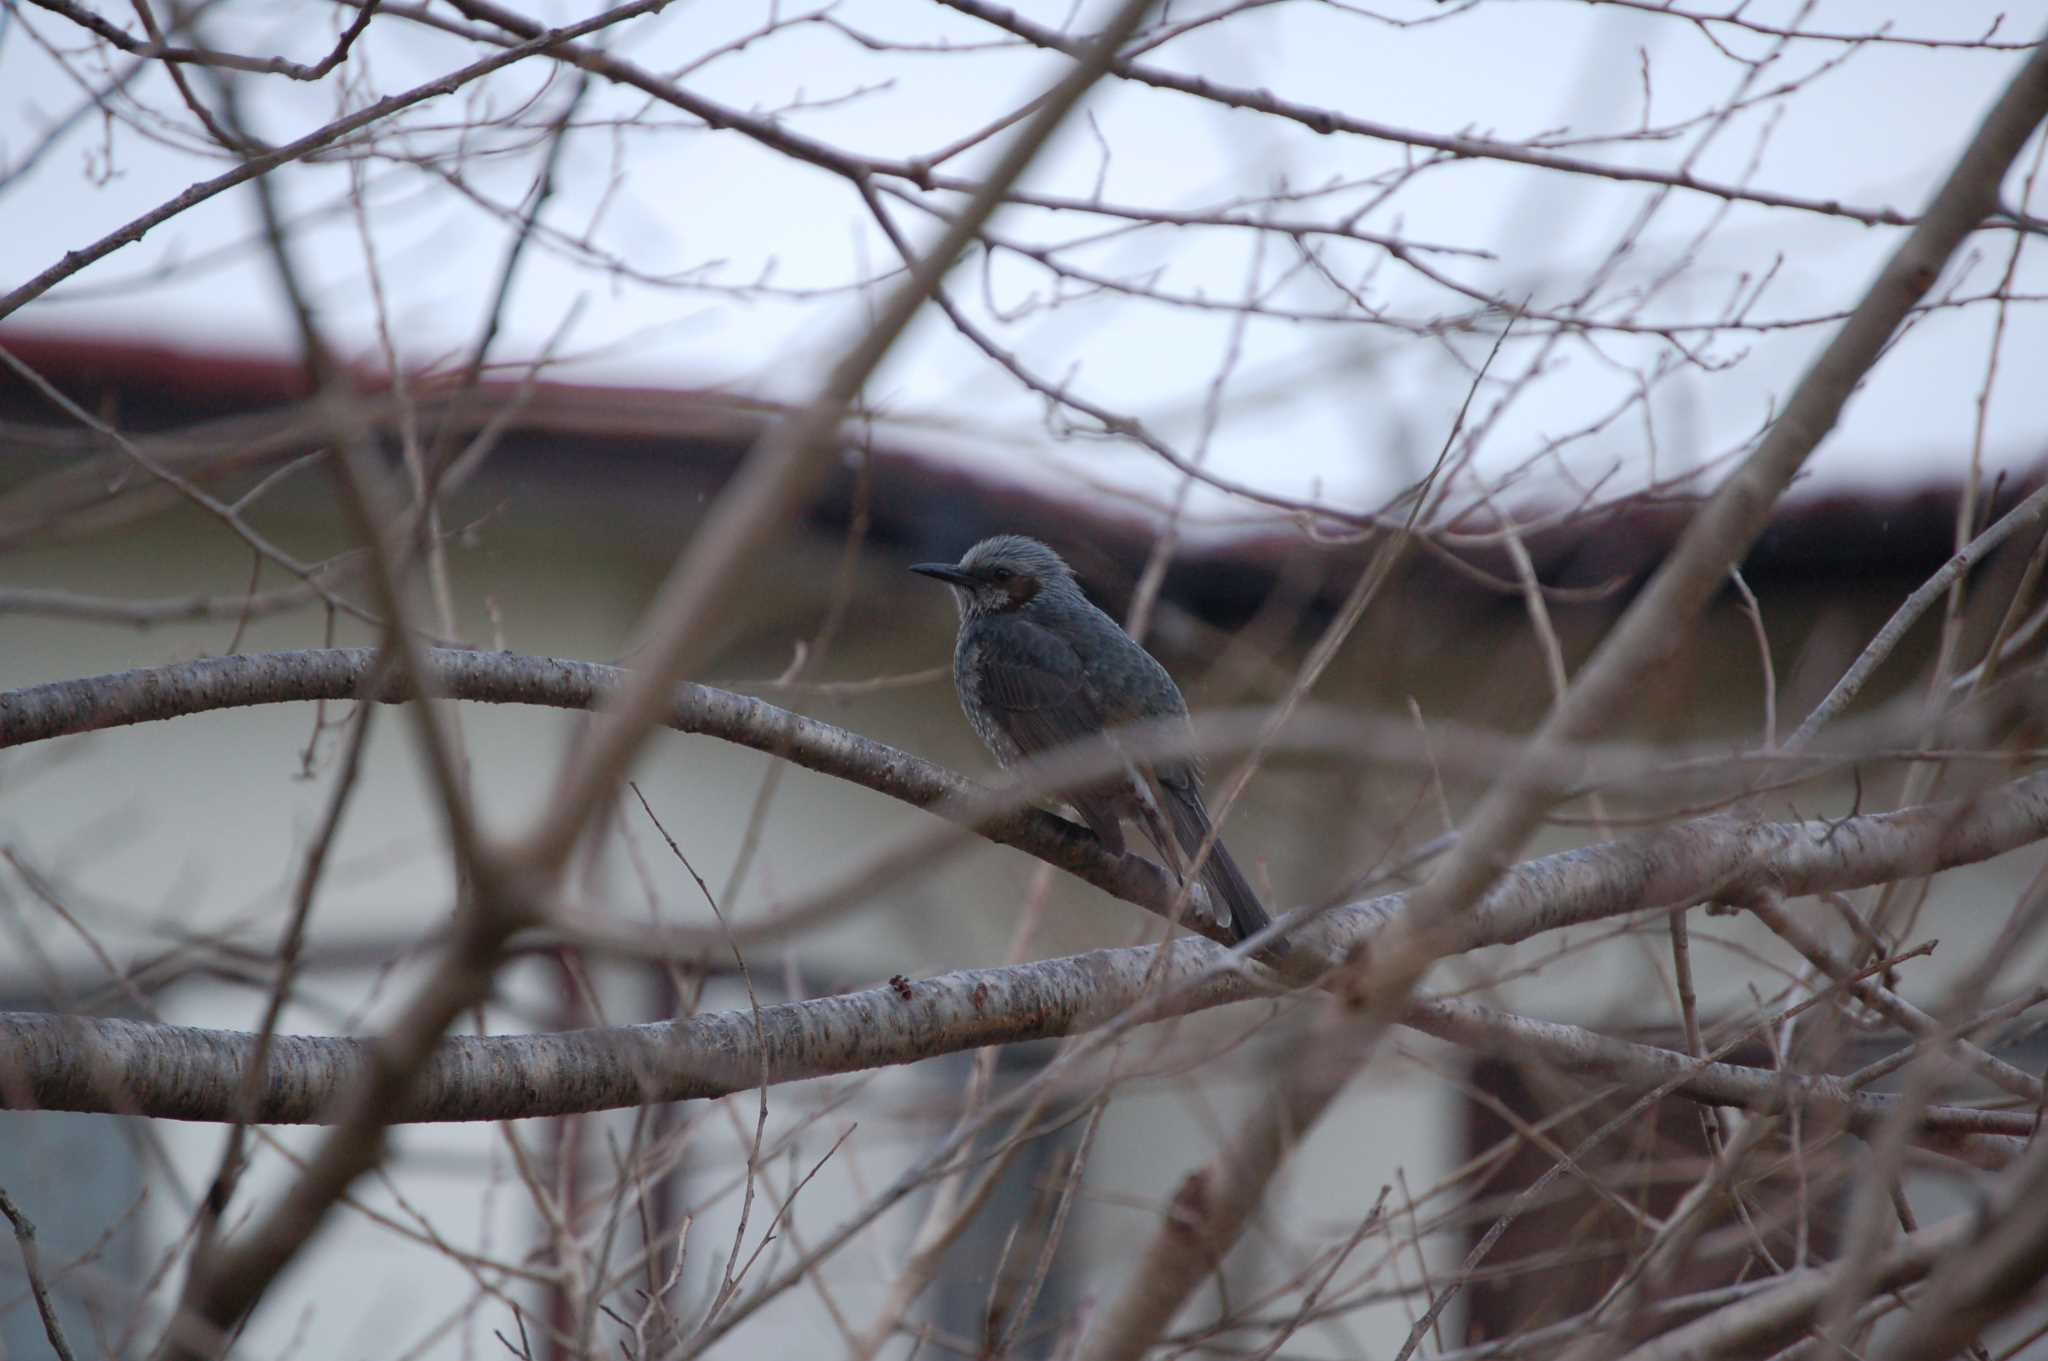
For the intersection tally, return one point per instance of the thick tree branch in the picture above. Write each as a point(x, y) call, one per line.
point(102, 1064)
point(66, 708)
point(175, 1072)
point(1719, 857)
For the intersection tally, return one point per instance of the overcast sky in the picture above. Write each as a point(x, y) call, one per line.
point(1341, 407)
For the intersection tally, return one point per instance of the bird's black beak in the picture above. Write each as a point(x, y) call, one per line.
point(944, 571)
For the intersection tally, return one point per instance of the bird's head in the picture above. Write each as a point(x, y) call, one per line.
point(1006, 572)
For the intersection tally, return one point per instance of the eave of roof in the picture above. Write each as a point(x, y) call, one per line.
point(926, 500)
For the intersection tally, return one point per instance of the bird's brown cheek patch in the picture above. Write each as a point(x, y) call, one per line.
point(1022, 589)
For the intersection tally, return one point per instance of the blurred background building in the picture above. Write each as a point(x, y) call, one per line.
point(171, 847)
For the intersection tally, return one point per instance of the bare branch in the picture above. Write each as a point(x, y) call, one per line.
point(1328, 121)
point(76, 260)
point(32, 1267)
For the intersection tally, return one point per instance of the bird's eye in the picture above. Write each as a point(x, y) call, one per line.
point(1002, 574)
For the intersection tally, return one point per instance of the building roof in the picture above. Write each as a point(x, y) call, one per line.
point(625, 448)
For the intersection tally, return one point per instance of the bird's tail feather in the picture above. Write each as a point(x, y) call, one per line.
point(1220, 875)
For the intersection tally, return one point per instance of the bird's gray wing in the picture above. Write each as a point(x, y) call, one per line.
point(1132, 688)
point(1032, 684)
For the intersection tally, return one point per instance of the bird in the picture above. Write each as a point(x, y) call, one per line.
point(1038, 667)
